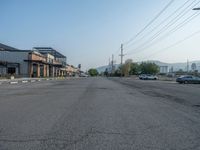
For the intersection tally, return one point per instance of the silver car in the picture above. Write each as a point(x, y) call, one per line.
point(148, 77)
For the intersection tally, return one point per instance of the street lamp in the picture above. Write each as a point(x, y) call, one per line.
point(196, 9)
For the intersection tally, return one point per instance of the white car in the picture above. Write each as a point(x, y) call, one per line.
point(148, 77)
point(83, 75)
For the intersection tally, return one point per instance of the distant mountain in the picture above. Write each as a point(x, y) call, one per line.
point(176, 66)
point(103, 68)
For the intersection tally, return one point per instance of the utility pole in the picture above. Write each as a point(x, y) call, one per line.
point(187, 66)
point(112, 63)
point(109, 66)
point(121, 55)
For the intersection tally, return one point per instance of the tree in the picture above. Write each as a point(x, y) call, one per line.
point(93, 72)
point(117, 72)
point(148, 68)
point(193, 66)
point(126, 67)
point(134, 69)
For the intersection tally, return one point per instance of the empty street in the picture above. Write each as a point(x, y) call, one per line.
point(100, 114)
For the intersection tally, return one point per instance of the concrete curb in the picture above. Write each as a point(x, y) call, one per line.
point(14, 82)
point(33, 80)
point(25, 81)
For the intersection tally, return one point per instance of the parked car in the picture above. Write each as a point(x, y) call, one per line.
point(148, 77)
point(83, 75)
point(188, 79)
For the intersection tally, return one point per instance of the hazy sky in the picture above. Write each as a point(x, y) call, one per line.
point(90, 31)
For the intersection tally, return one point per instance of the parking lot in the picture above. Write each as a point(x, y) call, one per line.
point(170, 90)
point(99, 113)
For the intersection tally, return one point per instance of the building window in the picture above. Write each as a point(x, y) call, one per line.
point(11, 70)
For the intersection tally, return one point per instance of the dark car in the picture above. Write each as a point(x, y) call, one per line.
point(188, 79)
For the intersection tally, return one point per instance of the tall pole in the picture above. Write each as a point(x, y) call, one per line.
point(187, 66)
point(109, 66)
point(112, 63)
point(122, 55)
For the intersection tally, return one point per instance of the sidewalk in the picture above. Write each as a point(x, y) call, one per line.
point(31, 80)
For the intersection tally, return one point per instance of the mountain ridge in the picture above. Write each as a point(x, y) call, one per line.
point(176, 66)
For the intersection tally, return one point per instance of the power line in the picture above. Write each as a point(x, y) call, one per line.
point(166, 27)
point(183, 23)
point(170, 32)
point(157, 16)
point(162, 22)
point(174, 44)
point(171, 23)
point(155, 19)
point(118, 50)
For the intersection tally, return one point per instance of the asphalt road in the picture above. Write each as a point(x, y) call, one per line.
point(100, 114)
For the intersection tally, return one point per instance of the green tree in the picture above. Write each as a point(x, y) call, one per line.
point(148, 68)
point(117, 72)
point(93, 72)
point(194, 66)
point(134, 69)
